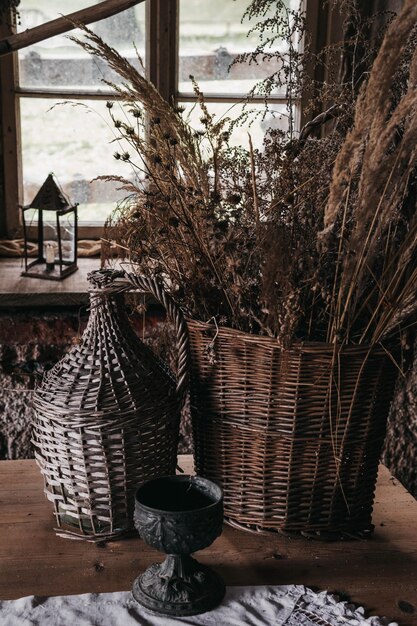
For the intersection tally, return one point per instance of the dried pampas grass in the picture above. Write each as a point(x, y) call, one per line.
point(378, 159)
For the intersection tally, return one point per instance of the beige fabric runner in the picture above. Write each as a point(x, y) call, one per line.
point(292, 605)
point(14, 248)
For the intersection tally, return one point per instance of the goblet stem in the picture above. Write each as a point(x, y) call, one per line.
point(177, 566)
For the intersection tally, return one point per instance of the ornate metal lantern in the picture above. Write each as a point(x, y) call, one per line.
point(50, 222)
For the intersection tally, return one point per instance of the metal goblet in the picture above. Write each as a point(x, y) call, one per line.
point(179, 515)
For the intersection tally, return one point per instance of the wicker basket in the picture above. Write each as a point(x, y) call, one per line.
point(107, 416)
point(293, 436)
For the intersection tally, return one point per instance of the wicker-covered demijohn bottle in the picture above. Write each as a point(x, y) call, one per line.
point(107, 415)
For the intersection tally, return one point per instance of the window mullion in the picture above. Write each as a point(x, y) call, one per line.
point(162, 46)
point(238, 98)
point(64, 94)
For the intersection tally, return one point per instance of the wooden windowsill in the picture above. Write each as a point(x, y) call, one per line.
point(21, 291)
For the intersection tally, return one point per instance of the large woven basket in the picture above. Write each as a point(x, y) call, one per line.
point(293, 436)
point(107, 416)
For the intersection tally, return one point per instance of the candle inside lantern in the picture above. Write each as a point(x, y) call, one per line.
point(50, 256)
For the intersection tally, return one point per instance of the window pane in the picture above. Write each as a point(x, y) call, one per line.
point(256, 124)
point(211, 36)
point(60, 63)
point(74, 141)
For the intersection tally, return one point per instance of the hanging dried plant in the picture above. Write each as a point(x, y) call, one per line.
point(8, 9)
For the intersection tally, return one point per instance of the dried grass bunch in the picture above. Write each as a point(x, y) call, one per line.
point(307, 239)
point(371, 207)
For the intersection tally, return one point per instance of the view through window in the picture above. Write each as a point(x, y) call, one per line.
point(63, 130)
point(65, 126)
point(211, 37)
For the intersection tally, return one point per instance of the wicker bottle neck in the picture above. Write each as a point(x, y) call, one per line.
point(109, 332)
point(111, 370)
point(100, 299)
point(109, 311)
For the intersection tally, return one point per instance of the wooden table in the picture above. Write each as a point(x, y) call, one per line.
point(380, 573)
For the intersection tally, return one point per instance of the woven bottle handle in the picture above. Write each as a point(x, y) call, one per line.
point(113, 282)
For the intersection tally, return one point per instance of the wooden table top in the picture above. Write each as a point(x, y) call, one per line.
point(378, 573)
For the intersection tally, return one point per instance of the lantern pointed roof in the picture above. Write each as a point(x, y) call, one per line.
point(49, 197)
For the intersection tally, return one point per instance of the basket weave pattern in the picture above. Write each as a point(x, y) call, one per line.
point(293, 436)
point(106, 419)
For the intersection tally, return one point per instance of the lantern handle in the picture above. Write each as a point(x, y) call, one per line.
point(110, 282)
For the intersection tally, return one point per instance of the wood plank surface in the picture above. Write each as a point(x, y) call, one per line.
point(379, 573)
point(17, 290)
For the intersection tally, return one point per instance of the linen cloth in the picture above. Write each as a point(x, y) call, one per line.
point(291, 605)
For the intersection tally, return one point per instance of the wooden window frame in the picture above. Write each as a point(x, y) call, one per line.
point(162, 40)
point(12, 189)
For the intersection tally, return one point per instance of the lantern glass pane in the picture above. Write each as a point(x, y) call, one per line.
point(31, 217)
point(67, 230)
point(50, 236)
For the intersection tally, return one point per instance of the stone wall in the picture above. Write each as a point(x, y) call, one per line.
point(401, 442)
point(30, 343)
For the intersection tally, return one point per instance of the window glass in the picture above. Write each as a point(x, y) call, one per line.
point(211, 35)
point(256, 123)
point(60, 63)
point(75, 141)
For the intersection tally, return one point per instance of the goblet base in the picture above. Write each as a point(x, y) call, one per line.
point(179, 586)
